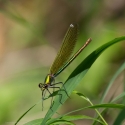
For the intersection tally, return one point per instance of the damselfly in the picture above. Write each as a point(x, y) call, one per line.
point(62, 60)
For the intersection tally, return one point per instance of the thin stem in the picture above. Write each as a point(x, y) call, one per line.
point(97, 112)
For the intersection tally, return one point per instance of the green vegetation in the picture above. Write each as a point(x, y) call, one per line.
point(31, 32)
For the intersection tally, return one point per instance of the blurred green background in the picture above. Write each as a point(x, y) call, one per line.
point(31, 32)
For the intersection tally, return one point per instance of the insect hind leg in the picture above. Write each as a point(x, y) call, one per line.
point(51, 99)
point(63, 87)
point(58, 93)
point(53, 86)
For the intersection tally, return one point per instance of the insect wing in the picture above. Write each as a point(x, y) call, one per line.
point(66, 49)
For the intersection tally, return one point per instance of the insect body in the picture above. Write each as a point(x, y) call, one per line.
point(63, 59)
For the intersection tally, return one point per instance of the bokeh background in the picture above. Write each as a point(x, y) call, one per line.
point(31, 32)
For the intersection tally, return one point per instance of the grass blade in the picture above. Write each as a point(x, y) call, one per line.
point(112, 81)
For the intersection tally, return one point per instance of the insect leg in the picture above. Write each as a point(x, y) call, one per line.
point(43, 95)
point(51, 99)
point(53, 91)
point(58, 94)
point(63, 87)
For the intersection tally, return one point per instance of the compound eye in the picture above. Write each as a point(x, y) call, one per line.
point(40, 85)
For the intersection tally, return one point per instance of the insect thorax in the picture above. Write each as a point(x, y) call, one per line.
point(49, 79)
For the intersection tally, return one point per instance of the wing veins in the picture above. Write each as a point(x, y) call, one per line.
point(66, 49)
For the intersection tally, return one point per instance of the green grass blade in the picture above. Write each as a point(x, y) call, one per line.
point(61, 121)
point(120, 118)
point(80, 117)
point(112, 81)
point(77, 75)
point(118, 97)
point(74, 118)
point(88, 100)
point(122, 67)
point(26, 112)
point(55, 122)
point(34, 122)
point(115, 106)
point(119, 106)
point(123, 101)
